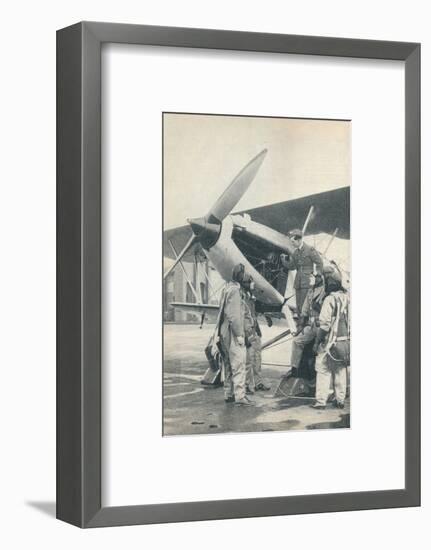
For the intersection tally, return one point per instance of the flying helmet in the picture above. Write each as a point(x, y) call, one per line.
point(333, 278)
point(247, 280)
point(238, 273)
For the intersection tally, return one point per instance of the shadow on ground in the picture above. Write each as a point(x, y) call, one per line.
point(46, 507)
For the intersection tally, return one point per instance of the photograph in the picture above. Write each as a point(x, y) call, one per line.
point(256, 274)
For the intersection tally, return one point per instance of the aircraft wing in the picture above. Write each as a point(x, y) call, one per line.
point(195, 308)
point(331, 211)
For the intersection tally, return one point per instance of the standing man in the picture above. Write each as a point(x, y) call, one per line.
point(307, 261)
point(253, 337)
point(232, 341)
point(332, 344)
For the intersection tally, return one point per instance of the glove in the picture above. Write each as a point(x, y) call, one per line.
point(249, 339)
point(240, 340)
point(300, 326)
point(320, 337)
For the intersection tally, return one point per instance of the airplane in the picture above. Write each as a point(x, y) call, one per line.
point(256, 238)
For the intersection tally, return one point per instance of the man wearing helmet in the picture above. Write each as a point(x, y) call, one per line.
point(253, 336)
point(232, 339)
point(332, 344)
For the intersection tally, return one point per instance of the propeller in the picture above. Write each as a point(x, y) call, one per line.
point(206, 230)
point(231, 196)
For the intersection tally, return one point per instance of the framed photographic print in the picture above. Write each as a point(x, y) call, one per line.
point(238, 282)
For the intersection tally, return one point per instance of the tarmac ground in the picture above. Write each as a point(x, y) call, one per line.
point(189, 408)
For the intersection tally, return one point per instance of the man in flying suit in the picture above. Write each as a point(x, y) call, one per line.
point(232, 339)
point(308, 322)
point(332, 345)
point(307, 261)
point(253, 336)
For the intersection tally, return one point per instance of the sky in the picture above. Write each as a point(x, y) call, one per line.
point(202, 154)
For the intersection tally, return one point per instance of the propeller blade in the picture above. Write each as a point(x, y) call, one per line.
point(189, 244)
point(231, 196)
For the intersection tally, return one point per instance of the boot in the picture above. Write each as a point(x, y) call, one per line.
point(244, 402)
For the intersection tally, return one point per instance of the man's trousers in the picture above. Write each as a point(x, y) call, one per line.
point(254, 363)
point(330, 372)
point(300, 294)
point(234, 371)
point(298, 344)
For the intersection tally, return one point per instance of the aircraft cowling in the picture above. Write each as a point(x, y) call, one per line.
point(207, 231)
point(262, 233)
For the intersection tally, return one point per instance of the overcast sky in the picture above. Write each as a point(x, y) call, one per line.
point(202, 154)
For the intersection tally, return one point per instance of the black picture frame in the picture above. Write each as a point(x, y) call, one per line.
point(79, 273)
